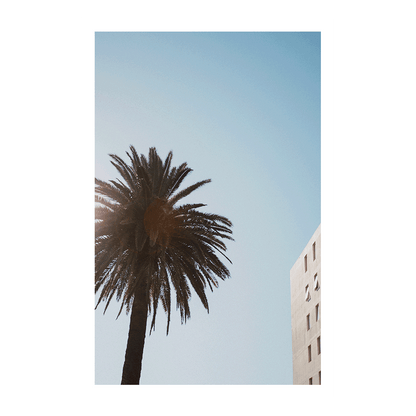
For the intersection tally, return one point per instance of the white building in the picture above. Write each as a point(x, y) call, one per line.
point(305, 290)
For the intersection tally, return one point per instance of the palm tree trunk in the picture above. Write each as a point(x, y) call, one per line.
point(135, 343)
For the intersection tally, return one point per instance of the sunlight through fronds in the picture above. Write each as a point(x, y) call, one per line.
point(145, 242)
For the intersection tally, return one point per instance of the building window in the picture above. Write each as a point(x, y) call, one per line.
point(318, 344)
point(308, 322)
point(316, 282)
point(319, 374)
point(314, 251)
point(306, 262)
point(317, 312)
point(310, 381)
point(309, 353)
point(307, 294)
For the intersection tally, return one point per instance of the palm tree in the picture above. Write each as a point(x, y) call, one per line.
point(144, 244)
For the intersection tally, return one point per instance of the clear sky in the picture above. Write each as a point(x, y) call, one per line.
point(243, 109)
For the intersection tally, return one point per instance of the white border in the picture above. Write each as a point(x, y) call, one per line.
point(327, 25)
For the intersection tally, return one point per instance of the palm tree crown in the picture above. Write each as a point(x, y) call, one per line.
point(145, 243)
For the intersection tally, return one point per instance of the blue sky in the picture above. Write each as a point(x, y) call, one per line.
point(244, 110)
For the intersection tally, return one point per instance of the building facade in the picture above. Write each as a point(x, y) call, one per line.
point(305, 292)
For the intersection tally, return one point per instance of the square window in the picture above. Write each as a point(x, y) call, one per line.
point(317, 312)
point(310, 381)
point(306, 262)
point(309, 353)
point(314, 251)
point(307, 294)
point(318, 344)
point(308, 322)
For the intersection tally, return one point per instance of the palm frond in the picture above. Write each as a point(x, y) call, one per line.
point(176, 251)
point(185, 192)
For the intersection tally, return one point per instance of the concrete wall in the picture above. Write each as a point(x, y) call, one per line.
point(303, 370)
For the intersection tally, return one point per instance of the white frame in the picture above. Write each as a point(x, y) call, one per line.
point(328, 26)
